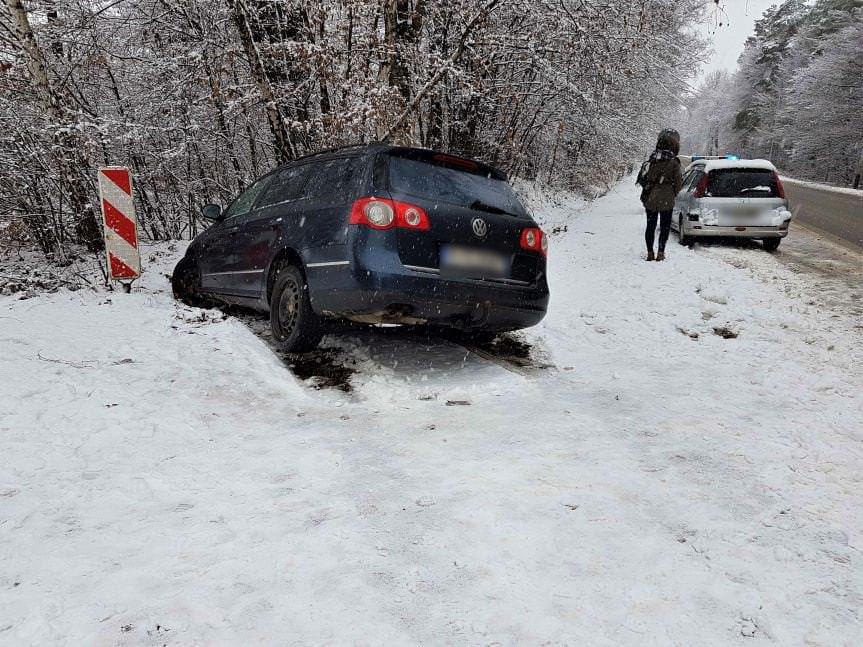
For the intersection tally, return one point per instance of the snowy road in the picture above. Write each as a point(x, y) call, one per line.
point(837, 211)
point(688, 472)
point(818, 268)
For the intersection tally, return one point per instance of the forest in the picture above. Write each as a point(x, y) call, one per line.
point(797, 97)
point(199, 97)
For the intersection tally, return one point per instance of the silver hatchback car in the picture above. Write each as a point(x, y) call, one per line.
point(733, 198)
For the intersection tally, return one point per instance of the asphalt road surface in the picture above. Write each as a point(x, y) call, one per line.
point(838, 214)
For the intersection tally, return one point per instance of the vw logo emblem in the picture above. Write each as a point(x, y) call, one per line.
point(480, 228)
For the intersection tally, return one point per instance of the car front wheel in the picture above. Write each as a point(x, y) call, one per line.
point(294, 324)
point(186, 283)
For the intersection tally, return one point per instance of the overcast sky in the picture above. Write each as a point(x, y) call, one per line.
point(738, 23)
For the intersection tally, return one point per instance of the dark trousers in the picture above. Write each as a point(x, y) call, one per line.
point(664, 227)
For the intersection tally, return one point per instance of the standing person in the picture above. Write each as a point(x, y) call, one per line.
point(661, 179)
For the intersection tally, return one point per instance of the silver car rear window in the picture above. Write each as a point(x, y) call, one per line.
point(742, 183)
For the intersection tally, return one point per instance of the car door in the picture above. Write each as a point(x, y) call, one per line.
point(688, 202)
point(274, 212)
point(681, 197)
point(221, 254)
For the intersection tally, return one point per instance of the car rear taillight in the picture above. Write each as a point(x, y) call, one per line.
point(380, 213)
point(373, 212)
point(534, 240)
point(780, 190)
point(701, 189)
point(409, 216)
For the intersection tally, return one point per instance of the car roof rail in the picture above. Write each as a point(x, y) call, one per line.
point(386, 145)
point(337, 149)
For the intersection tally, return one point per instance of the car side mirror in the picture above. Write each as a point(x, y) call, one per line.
point(212, 212)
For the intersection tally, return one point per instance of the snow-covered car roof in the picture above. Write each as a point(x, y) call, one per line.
point(712, 165)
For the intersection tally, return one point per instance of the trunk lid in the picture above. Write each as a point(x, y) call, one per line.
point(475, 218)
point(742, 197)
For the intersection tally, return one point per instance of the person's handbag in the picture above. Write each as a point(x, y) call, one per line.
point(646, 187)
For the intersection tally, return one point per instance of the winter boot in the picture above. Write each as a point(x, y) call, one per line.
point(660, 256)
point(650, 255)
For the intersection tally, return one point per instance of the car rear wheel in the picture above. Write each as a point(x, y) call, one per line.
point(771, 244)
point(294, 324)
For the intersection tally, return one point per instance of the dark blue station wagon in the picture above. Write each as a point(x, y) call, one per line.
point(374, 234)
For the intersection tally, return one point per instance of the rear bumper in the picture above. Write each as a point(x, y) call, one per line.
point(734, 232)
point(382, 290)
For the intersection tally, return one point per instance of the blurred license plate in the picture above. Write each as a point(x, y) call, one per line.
point(748, 212)
point(472, 261)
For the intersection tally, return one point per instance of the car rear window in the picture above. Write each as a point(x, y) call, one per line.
point(445, 182)
point(742, 183)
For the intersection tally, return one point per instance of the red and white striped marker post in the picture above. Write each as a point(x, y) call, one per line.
point(121, 226)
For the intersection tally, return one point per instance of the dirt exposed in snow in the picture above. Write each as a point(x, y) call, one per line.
point(335, 363)
point(324, 368)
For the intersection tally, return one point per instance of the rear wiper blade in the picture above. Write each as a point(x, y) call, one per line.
point(479, 205)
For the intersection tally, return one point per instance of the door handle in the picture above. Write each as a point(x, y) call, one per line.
point(233, 230)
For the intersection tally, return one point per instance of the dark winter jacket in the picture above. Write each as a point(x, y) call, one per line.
point(662, 180)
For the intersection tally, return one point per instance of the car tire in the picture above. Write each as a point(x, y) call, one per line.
point(295, 325)
point(186, 283)
point(771, 244)
point(682, 238)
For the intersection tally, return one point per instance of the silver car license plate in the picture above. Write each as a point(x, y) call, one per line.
point(748, 212)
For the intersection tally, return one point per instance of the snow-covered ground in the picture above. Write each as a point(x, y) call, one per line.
point(166, 480)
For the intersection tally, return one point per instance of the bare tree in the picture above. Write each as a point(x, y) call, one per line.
point(199, 98)
point(68, 149)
